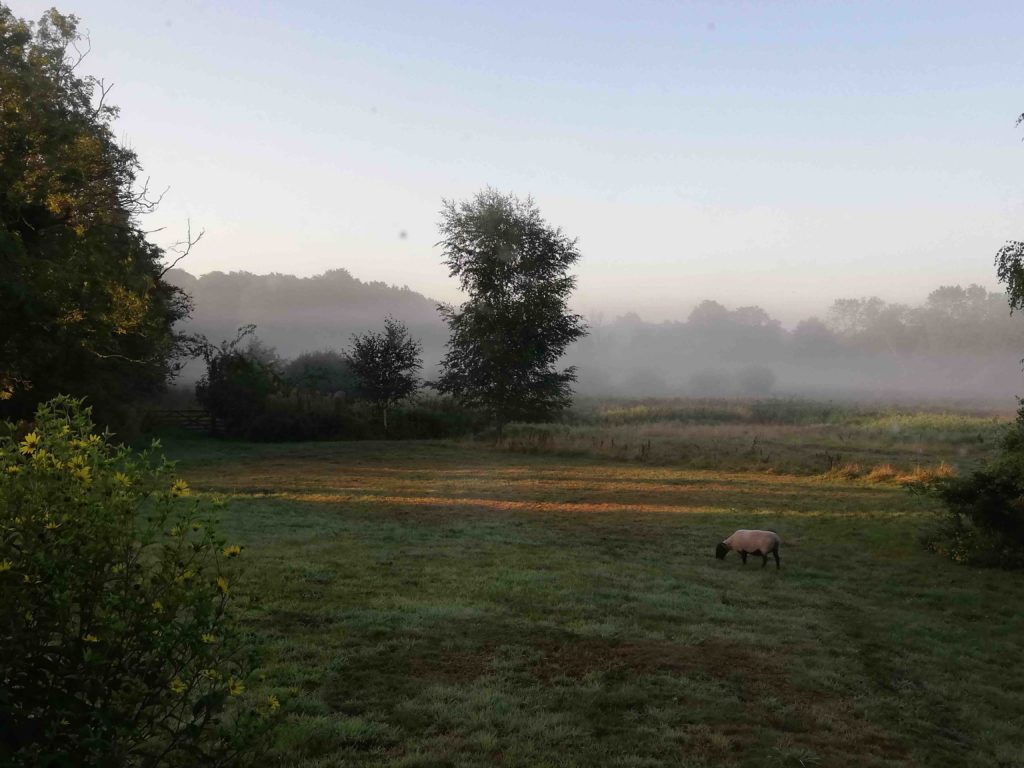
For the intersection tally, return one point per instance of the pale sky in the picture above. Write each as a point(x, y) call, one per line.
point(777, 153)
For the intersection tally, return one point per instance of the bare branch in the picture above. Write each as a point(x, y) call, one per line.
point(104, 90)
point(138, 201)
point(182, 248)
point(79, 54)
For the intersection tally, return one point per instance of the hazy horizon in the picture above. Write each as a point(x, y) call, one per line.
point(774, 155)
point(788, 315)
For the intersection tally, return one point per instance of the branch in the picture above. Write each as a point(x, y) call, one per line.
point(104, 90)
point(140, 203)
point(80, 55)
point(182, 248)
point(112, 356)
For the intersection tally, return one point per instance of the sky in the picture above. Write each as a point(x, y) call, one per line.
point(783, 154)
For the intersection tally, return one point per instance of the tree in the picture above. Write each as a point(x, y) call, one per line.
point(237, 383)
point(84, 308)
point(385, 365)
point(507, 337)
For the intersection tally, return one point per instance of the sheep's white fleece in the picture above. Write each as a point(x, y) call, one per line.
point(752, 541)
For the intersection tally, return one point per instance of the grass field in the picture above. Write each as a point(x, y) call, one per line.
point(794, 436)
point(446, 604)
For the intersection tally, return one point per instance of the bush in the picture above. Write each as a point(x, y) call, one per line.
point(985, 510)
point(300, 416)
point(984, 521)
point(118, 645)
point(235, 390)
point(436, 417)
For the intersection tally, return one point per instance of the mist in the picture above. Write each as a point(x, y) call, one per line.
point(958, 344)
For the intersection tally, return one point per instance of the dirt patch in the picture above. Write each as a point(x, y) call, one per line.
point(451, 666)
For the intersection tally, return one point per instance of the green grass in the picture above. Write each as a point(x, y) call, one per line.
point(443, 604)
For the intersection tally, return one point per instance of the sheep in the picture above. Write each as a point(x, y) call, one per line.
point(751, 543)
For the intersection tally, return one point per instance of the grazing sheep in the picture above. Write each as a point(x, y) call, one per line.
point(751, 543)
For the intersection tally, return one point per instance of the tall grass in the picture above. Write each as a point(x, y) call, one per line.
point(874, 443)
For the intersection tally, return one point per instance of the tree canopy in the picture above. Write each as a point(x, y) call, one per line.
point(508, 336)
point(83, 306)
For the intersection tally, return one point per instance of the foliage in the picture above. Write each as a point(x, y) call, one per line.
point(300, 416)
point(118, 644)
point(984, 521)
point(297, 416)
point(431, 417)
point(262, 354)
point(248, 398)
point(326, 372)
point(984, 511)
point(509, 334)
point(236, 385)
point(386, 365)
point(84, 307)
point(1010, 271)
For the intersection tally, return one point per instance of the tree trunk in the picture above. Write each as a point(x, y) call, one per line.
point(385, 421)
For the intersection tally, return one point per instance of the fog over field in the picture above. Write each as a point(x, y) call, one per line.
point(957, 343)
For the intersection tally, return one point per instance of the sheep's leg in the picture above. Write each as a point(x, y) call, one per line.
point(744, 556)
point(776, 553)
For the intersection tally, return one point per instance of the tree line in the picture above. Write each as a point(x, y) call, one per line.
point(500, 361)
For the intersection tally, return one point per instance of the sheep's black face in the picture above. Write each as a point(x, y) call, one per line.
point(720, 551)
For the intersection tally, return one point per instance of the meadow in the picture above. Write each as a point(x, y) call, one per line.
point(457, 604)
point(883, 442)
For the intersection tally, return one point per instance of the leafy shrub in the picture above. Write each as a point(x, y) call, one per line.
point(235, 390)
point(118, 645)
point(984, 521)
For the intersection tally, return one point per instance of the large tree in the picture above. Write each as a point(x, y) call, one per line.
point(83, 306)
point(508, 336)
